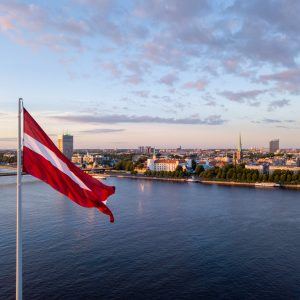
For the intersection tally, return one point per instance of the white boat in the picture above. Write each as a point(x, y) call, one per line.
point(266, 184)
point(191, 180)
point(99, 176)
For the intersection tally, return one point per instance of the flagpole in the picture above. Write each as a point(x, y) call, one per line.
point(19, 207)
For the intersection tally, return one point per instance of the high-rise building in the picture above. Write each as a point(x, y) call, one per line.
point(65, 145)
point(141, 149)
point(274, 146)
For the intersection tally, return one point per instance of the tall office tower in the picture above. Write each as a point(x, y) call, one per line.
point(274, 146)
point(65, 145)
point(298, 161)
point(141, 149)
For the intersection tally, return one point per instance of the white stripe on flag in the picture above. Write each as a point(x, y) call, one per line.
point(49, 155)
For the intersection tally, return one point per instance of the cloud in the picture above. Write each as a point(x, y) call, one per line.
point(169, 79)
point(142, 94)
point(135, 71)
point(288, 80)
point(146, 42)
point(253, 30)
point(197, 85)
point(113, 119)
point(267, 31)
point(112, 68)
point(271, 121)
point(102, 130)
point(211, 103)
point(173, 11)
point(274, 121)
point(8, 139)
point(278, 104)
point(244, 96)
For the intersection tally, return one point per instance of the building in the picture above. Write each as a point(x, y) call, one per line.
point(88, 158)
point(65, 145)
point(162, 164)
point(262, 169)
point(141, 149)
point(145, 150)
point(298, 161)
point(167, 164)
point(283, 168)
point(77, 159)
point(238, 155)
point(274, 146)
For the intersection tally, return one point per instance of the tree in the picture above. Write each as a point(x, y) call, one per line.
point(265, 178)
point(249, 177)
point(283, 178)
point(276, 178)
point(254, 177)
point(179, 169)
point(199, 169)
point(229, 174)
point(194, 164)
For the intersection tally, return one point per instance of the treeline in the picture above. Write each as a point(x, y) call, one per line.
point(126, 165)
point(241, 174)
point(129, 165)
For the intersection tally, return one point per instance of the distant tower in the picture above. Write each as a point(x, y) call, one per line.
point(154, 154)
point(65, 145)
point(239, 152)
point(274, 146)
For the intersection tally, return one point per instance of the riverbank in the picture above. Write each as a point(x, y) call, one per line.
point(209, 182)
point(148, 177)
point(185, 180)
point(254, 184)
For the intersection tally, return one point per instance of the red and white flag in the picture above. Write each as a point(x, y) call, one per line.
point(42, 159)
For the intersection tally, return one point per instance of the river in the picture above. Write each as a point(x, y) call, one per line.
point(169, 241)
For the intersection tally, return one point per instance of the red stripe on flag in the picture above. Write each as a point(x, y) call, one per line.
point(71, 185)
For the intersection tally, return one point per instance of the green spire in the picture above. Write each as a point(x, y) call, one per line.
point(240, 142)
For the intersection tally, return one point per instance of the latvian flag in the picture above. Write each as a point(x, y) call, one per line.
point(42, 159)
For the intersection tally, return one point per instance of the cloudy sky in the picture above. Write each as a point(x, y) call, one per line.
point(165, 73)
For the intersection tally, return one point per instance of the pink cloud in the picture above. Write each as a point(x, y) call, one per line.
point(197, 85)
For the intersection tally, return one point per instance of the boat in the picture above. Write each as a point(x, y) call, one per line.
point(266, 185)
point(99, 176)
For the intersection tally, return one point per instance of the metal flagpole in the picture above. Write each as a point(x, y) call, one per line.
point(19, 208)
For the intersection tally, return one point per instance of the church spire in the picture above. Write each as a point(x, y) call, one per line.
point(240, 143)
point(154, 153)
point(239, 152)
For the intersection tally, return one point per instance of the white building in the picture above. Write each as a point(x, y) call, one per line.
point(284, 168)
point(77, 159)
point(167, 164)
point(262, 169)
point(88, 158)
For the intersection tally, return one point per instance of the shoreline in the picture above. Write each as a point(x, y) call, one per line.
point(259, 185)
point(211, 182)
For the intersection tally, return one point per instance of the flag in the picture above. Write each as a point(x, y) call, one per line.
point(43, 160)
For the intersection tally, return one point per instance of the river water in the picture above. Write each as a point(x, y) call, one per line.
point(169, 241)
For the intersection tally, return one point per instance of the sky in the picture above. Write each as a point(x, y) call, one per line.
point(120, 74)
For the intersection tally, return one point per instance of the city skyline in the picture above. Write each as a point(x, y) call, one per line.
point(119, 74)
